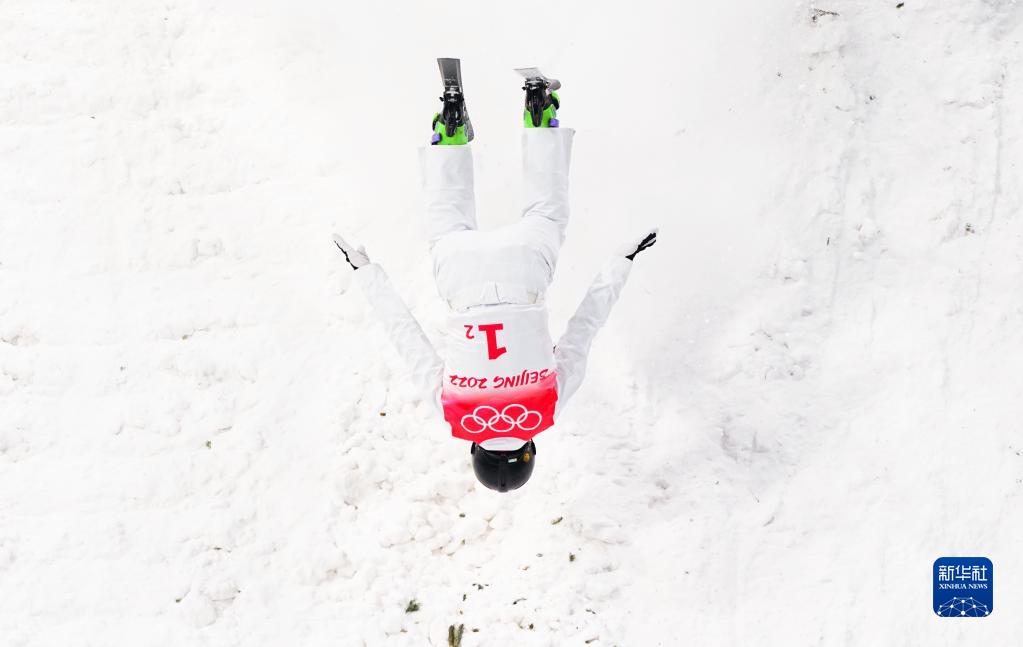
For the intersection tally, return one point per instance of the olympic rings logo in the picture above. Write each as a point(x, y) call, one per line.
point(511, 417)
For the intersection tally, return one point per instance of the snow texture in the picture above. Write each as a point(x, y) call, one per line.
point(809, 390)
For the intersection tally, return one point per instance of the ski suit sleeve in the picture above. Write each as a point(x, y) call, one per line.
point(573, 347)
point(427, 368)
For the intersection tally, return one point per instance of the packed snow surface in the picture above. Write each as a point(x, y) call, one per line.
point(809, 390)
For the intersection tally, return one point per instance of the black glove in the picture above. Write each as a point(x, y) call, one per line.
point(648, 241)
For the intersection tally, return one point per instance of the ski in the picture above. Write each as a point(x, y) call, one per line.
point(454, 113)
point(538, 92)
point(534, 73)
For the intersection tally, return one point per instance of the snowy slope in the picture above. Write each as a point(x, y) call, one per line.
point(808, 392)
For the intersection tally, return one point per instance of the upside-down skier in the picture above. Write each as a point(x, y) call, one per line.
point(503, 381)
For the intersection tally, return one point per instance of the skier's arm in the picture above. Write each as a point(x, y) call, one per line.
point(572, 349)
point(427, 368)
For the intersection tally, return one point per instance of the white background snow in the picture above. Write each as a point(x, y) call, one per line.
point(809, 390)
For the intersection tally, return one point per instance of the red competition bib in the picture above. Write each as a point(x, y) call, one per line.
point(499, 378)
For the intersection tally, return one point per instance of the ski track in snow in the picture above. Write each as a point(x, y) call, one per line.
point(808, 392)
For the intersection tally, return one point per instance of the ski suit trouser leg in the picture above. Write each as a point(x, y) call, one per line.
point(546, 158)
point(448, 188)
point(511, 264)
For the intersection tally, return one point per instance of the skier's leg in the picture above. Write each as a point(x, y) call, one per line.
point(448, 188)
point(546, 155)
point(447, 163)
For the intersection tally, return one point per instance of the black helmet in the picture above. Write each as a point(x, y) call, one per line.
point(503, 471)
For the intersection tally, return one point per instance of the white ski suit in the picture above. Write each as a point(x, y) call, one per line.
point(503, 381)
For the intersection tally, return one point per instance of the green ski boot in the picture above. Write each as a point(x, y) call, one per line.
point(542, 102)
point(458, 135)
